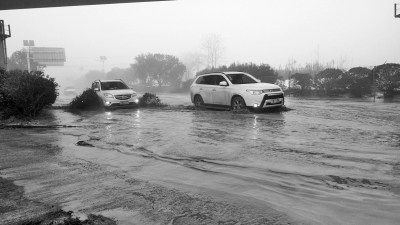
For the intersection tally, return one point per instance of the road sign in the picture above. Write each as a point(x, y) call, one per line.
point(49, 56)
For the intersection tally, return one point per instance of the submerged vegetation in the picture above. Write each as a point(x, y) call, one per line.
point(65, 218)
point(149, 99)
point(89, 100)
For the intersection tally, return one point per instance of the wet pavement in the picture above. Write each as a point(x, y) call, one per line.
point(322, 162)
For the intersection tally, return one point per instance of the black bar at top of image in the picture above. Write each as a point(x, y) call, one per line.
point(30, 4)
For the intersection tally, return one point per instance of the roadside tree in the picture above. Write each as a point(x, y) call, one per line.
point(18, 61)
point(126, 74)
point(192, 61)
point(24, 93)
point(327, 82)
point(214, 50)
point(165, 70)
point(357, 81)
point(263, 71)
point(302, 82)
point(387, 78)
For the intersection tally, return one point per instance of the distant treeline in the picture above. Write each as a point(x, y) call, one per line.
point(160, 72)
point(356, 82)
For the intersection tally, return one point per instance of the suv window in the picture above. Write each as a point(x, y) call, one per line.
point(199, 80)
point(205, 80)
point(210, 79)
point(218, 79)
point(95, 85)
point(240, 78)
point(113, 85)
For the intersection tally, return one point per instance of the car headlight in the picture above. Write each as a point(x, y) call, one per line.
point(107, 95)
point(133, 95)
point(255, 92)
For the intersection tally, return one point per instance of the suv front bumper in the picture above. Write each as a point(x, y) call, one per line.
point(112, 102)
point(266, 100)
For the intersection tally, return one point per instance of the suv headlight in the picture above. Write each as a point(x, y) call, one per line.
point(255, 92)
point(107, 95)
point(133, 95)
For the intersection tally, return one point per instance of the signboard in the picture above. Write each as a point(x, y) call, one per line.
point(48, 56)
point(29, 43)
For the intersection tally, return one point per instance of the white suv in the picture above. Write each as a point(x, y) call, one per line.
point(115, 93)
point(236, 90)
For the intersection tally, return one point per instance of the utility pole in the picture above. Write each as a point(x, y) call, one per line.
point(290, 71)
point(29, 43)
point(102, 59)
point(373, 80)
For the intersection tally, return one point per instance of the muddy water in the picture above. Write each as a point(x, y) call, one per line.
point(324, 162)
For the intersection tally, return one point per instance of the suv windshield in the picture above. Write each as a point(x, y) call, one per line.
point(113, 85)
point(240, 78)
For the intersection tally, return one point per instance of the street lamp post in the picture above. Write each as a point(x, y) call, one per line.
point(102, 59)
point(29, 43)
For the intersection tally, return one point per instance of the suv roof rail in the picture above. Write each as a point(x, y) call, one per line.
point(208, 73)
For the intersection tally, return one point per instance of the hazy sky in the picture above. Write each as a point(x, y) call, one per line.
point(364, 32)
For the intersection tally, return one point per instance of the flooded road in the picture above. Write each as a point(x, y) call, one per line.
point(323, 162)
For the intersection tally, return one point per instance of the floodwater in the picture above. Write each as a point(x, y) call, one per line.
point(322, 162)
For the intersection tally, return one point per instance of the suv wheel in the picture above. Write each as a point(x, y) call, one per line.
point(198, 101)
point(238, 103)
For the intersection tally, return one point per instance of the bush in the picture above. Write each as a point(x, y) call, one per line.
point(88, 100)
point(149, 99)
point(24, 93)
point(186, 84)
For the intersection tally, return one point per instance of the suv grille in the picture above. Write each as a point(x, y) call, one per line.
point(123, 97)
point(271, 90)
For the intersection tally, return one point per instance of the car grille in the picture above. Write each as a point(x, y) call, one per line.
point(271, 90)
point(123, 97)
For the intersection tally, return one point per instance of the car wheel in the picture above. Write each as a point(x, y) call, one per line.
point(198, 101)
point(238, 103)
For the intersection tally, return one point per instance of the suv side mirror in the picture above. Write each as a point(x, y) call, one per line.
point(96, 89)
point(223, 83)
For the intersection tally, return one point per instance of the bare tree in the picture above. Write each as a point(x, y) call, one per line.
point(192, 61)
point(213, 48)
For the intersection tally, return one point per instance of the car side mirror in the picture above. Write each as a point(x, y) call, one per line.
point(96, 89)
point(223, 83)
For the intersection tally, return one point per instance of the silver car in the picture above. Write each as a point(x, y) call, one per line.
point(115, 93)
point(235, 90)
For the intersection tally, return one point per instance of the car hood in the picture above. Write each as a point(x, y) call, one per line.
point(119, 92)
point(257, 86)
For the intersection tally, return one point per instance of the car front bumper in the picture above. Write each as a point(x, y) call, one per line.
point(112, 102)
point(266, 100)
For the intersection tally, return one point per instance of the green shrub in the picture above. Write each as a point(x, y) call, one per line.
point(186, 84)
point(149, 99)
point(88, 100)
point(24, 93)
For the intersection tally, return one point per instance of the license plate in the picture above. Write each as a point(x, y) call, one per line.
point(273, 101)
point(124, 102)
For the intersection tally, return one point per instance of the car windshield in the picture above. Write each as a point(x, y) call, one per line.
point(240, 78)
point(113, 85)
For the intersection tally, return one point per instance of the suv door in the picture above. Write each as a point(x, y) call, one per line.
point(205, 88)
point(220, 93)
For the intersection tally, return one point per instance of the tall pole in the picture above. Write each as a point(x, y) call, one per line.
point(373, 80)
point(27, 58)
point(290, 71)
point(29, 43)
point(103, 71)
